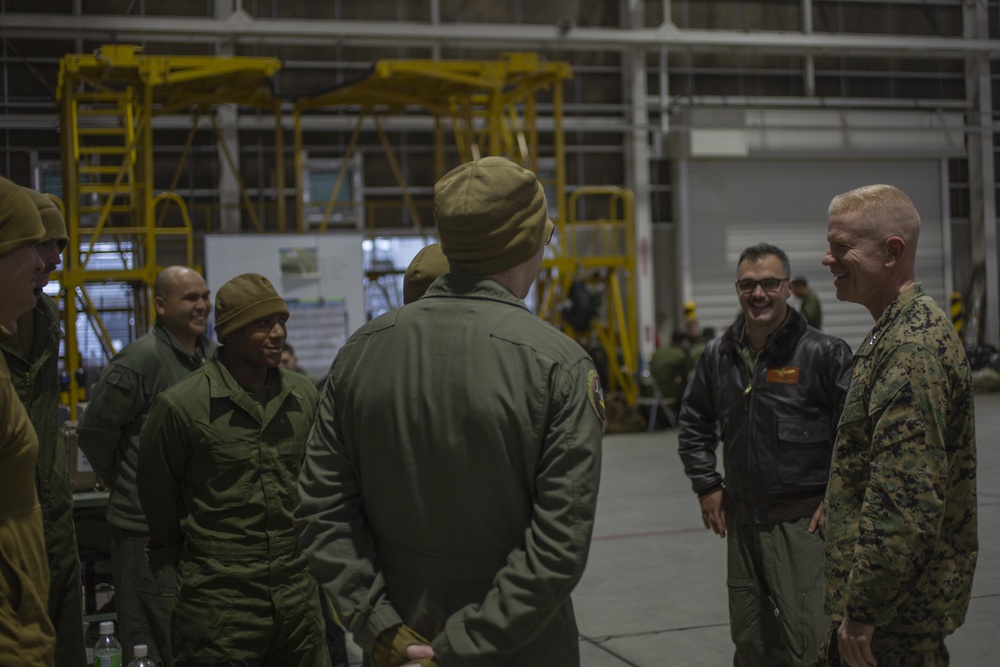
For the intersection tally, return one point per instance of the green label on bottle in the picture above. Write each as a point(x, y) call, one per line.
point(108, 660)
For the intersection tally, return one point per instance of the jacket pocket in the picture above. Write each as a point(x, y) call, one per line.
point(226, 468)
point(805, 447)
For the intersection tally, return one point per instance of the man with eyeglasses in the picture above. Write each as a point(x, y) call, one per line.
point(772, 389)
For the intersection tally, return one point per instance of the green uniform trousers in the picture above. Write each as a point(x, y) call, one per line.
point(775, 593)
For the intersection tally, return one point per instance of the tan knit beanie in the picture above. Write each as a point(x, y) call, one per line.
point(426, 267)
point(491, 215)
point(20, 222)
point(52, 219)
point(245, 299)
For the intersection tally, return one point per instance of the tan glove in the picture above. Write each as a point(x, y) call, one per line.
point(390, 648)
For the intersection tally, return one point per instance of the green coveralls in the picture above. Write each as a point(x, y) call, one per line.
point(901, 531)
point(451, 478)
point(36, 381)
point(217, 477)
point(26, 633)
point(108, 433)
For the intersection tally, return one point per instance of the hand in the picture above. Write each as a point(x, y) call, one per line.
point(421, 654)
point(818, 521)
point(855, 643)
point(713, 512)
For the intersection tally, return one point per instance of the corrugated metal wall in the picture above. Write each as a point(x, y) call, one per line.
point(737, 203)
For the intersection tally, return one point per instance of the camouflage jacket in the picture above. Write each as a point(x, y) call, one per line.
point(901, 504)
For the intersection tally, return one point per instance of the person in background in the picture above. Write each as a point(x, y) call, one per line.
point(108, 434)
point(218, 463)
point(289, 360)
point(771, 389)
point(671, 366)
point(27, 636)
point(698, 345)
point(809, 305)
point(426, 266)
point(902, 538)
point(450, 481)
point(33, 359)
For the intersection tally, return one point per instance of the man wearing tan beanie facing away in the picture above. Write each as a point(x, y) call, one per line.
point(218, 460)
point(26, 633)
point(33, 359)
point(450, 481)
point(427, 265)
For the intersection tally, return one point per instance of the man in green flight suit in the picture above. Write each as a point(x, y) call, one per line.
point(218, 464)
point(809, 305)
point(450, 482)
point(671, 366)
point(26, 633)
point(108, 434)
point(901, 531)
point(33, 359)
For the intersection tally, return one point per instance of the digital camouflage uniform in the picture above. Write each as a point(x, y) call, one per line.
point(36, 380)
point(217, 478)
point(451, 478)
point(901, 505)
point(26, 633)
point(108, 433)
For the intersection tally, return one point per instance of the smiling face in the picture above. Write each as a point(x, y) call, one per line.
point(183, 303)
point(765, 310)
point(257, 346)
point(857, 261)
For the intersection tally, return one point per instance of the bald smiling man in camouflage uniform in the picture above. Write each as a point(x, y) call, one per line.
point(901, 504)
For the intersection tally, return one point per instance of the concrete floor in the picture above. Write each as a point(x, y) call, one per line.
point(654, 591)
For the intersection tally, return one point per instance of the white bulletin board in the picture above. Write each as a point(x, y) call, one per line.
point(320, 276)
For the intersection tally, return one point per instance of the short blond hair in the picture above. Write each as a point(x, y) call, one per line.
point(884, 211)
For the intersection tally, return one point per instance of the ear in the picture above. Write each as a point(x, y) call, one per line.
point(158, 305)
point(894, 247)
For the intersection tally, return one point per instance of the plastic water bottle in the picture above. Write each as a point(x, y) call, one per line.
point(140, 660)
point(107, 650)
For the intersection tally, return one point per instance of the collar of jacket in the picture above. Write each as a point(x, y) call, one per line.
point(203, 346)
point(780, 344)
point(46, 314)
point(222, 385)
point(911, 293)
point(471, 286)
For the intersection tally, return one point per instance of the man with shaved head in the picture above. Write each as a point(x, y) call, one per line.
point(108, 434)
point(901, 534)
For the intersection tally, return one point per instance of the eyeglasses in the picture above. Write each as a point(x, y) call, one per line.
point(551, 234)
point(748, 285)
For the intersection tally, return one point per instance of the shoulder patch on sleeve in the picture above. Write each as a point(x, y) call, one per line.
point(596, 395)
point(119, 377)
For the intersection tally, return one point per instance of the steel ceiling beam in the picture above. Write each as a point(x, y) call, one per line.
point(241, 28)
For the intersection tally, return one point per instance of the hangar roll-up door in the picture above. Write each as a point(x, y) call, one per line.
point(733, 204)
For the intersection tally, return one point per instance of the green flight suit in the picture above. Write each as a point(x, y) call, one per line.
point(36, 380)
point(901, 528)
point(451, 478)
point(108, 433)
point(671, 367)
point(217, 479)
point(811, 309)
point(26, 633)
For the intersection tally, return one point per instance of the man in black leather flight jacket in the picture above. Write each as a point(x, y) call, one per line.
point(772, 389)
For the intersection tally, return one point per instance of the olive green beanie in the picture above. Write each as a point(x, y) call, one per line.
point(425, 268)
point(245, 299)
point(491, 215)
point(52, 219)
point(20, 222)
